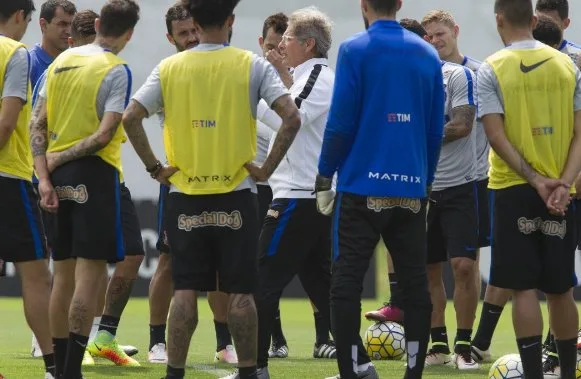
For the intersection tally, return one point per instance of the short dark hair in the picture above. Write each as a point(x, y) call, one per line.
point(516, 12)
point(176, 13)
point(210, 13)
point(413, 26)
point(548, 31)
point(48, 9)
point(383, 7)
point(83, 24)
point(278, 22)
point(117, 17)
point(561, 6)
point(8, 8)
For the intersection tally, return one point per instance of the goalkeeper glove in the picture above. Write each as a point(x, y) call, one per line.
point(325, 195)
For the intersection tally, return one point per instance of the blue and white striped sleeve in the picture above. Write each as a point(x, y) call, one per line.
point(462, 85)
point(119, 81)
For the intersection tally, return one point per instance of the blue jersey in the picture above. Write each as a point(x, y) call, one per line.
point(39, 62)
point(385, 126)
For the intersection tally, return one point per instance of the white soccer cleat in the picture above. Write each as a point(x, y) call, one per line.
point(278, 351)
point(157, 354)
point(480, 356)
point(227, 355)
point(464, 361)
point(35, 352)
point(437, 359)
point(261, 373)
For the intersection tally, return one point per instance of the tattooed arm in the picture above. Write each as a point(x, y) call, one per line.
point(461, 123)
point(133, 124)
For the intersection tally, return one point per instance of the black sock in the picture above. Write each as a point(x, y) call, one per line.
point(247, 372)
point(531, 354)
point(548, 338)
point(395, 293)
point(488, 320)
point(156, 335)
point(59, 346)
point(463, 340)
point(109, 324)
point(49, 364)
point(440, 340)
point(321, 328)
point(223, 337)
point(175, 373)
point(75, 351)
point(567, 357)
point(277, 334)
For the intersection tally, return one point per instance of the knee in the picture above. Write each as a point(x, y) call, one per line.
point(561, 297)
point(463, 270)
point(434, 274)
point(129, 268)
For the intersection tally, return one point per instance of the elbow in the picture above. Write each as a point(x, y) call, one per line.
point(103, 139)
point(127, 119)
point(5, 132)
point(294, 121)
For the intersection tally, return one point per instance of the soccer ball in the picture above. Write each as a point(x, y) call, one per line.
point(385, 340)
point(507, 367)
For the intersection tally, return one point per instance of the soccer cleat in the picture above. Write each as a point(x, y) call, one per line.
point(480, 356)
point(434, 358)
point(278, 351)
point(227, 355)
point(87, 359)
point(551, 369)
point(388, 312)
point(464, 361)
point(105, 346)
point(157, 354)
point(35, 352)
point(47, 375)
point(325, 350)
point(369, 373)
point(261, 373)
point(129, 350)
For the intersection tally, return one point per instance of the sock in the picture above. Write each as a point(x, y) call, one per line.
point(49, 364)
point(395, 293)
point(463, 340)
point(548, 338)
point(551, 345)
point(440, 340)
point(156, 335)
point(59, 346)
point(109, 324)
point(531, 354)
point(223, 337)
point(567, 357)
point(321, 328)
point(75, 351)
point(277, 334)
point(488, 320)
point(247, 372)
point(95, 327)
point(175, 373)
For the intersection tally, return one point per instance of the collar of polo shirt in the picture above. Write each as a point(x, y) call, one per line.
point(304, 67)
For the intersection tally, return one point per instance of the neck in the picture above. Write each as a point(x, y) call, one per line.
point(516, 35)
point(215, 36)
point(455, 57)
point(109, 43)
point(6, 31)
point(50, 49)
point(372, 17)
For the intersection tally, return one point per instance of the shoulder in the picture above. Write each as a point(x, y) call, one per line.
point(473, 64)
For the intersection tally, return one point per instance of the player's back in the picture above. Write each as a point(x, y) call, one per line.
point(397, 73)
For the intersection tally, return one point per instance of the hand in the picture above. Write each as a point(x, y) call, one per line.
point(257, 173)
point(49, 200)
point(164, 173)
point(275, 58)
point(325, 195)
point(51, 161)
point(558, 202)
point(545, 186)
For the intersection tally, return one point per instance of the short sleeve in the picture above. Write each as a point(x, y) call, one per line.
point(150, 95)
point(17, 74)
point(119, 81)
point(264, 79)
point(461, 85)
point(488, 90)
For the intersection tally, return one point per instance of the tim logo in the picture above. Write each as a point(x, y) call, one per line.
point(222, 219)
point(547, 227)
point(399, 117)
point(203, 123)
point(78, 194)
point(378, 204)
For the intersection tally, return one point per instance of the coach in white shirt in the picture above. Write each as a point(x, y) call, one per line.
point(295, 238)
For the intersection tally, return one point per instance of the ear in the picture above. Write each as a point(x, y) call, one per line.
point(427, 39)
point(499, 20)
point(567, 22)
point(534, 21)
point(42, 22)
point(130, 34)
point(310, 43)
point(260, 41)
point(231, 21)
point(170, 39)
point(98, 25)
point(364, 6)
point(399, 5)
point(456, 30)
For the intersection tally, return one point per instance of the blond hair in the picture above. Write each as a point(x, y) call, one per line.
point(439, 16)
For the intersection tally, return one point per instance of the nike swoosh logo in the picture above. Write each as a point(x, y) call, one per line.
point(97, 346)
point(526, 69)
point(82, 345)
point(58, 70)
point(531, 345)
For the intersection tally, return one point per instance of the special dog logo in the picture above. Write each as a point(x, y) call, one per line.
point(78, 194)
point(378, 204)
point(222, 219)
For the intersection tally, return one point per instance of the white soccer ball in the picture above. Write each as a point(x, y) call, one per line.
point(507, 367)
point(385, 340)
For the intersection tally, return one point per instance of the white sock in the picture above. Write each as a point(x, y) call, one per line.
point(363, 367)
point(95, 327)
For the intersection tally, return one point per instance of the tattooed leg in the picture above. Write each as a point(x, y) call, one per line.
point(183, 319)
point(120, 285)
point(84, 302)
point(243, 324)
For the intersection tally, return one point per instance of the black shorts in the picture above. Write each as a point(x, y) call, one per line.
point(483, 214)
point(21, 228)
point(453, 223)
point(214, 234)
point(264, 200)
point(132, 241)
point(48, 223)
point(89, 224)
point(577, 204)
point(162, 245)
point(531, 249)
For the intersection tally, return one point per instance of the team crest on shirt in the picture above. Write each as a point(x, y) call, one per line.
point(221, 219)
point(547, 227)
point(378, 204)
point(78, 194)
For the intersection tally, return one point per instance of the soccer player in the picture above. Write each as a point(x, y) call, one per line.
point(535, 135)
point(182, 33)
point(381, 194)
point(559, 11)
point(21, 223)
point(452, 217)
point(212, 209)
point(295, 238)
point(79, 170)
point(548, 31)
